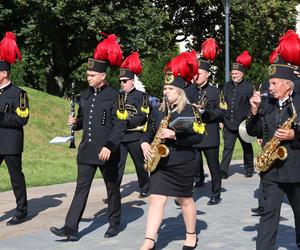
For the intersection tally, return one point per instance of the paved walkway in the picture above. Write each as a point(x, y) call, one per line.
point(228, 225)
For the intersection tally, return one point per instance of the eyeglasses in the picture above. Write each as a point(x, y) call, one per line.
point(124, 80)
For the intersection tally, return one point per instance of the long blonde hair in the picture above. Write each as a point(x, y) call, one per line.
point(180, 102)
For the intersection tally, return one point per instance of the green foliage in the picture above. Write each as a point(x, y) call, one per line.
point(57, 37)
point(44, 163)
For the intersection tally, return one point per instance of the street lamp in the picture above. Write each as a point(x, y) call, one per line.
point(226, 4)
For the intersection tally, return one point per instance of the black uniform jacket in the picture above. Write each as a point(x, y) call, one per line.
point(180, 150)
point(264, 125)
point(101, 127)
point(135, 99)
point(237, 99)
point(212, 115)
point(11, 124)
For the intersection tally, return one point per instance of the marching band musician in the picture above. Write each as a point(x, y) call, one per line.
point(99, 147)
point(282, 176)
point(237, 93)
point(14, 114)
point(175, 173)
point(202, 90)
point(137, 105)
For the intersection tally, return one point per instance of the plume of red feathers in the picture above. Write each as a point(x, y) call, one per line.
point(274, 55)
point(185, 65)
point(9, 50)
point(167, 67)
point(289, 48)
point(244, 59)
point(210, 49)
point(133, 63)
point(109, 50)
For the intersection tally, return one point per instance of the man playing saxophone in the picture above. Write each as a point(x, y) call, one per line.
point(277, 123)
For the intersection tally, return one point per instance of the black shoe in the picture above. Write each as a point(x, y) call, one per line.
point(224, 175)
point(67, 232)
point(143, 195)
point(214, 200)
point(190, 247)
point(249, 174)
point(259, 211)
point(18, 219)
point(111, 232)
point(105, 200)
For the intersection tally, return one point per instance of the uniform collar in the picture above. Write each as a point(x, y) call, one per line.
point(5, 87)
point(202, 86)
point(98, 90)
point(130, 91)
point(285, 101)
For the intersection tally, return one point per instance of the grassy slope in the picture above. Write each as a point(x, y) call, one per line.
point(44, 163)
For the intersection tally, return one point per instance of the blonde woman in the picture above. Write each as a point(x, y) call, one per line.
point(174, 174)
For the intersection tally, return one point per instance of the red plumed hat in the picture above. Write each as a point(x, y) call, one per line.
point(209, 49)
point(107, 51)
point(285, 57)
point(9, 51)
point(289, 47)
point(185, 65)
point(243, 62)
point(131, 66)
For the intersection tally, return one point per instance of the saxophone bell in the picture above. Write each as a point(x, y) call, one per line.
point(163, 150)
point(282, 153)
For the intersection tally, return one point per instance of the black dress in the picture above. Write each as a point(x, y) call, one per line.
point(175, 174)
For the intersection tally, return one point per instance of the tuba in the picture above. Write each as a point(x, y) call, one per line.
point(159, 149)
point(272, 151)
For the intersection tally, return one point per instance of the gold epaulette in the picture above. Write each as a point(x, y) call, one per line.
point(122, 115)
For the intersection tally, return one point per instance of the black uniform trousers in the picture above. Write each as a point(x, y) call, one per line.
point(212, 158)
point(86, 173)
point(230, 137)
point(17, 179)
point(273, 194)
point(136, 153)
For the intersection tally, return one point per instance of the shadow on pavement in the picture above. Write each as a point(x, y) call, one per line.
point(173, 229)
point(131, 211)
point(37, 205)
point(129, 188)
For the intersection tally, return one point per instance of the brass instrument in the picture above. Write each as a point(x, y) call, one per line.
point(202, 101)
point(22, 110)
point(23, 104)
point(222, 104)
point(272, 151)
point(159, 149)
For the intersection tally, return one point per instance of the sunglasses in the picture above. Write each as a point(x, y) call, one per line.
point(124, 80)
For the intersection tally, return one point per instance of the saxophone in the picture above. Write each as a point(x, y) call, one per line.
point(272, 151)
point(159, 149)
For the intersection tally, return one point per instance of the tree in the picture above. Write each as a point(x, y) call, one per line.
point(58, 36)
point(256, 25)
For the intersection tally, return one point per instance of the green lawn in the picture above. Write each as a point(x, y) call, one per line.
point(47, 164)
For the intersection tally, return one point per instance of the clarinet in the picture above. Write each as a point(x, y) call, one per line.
point(72, 113)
